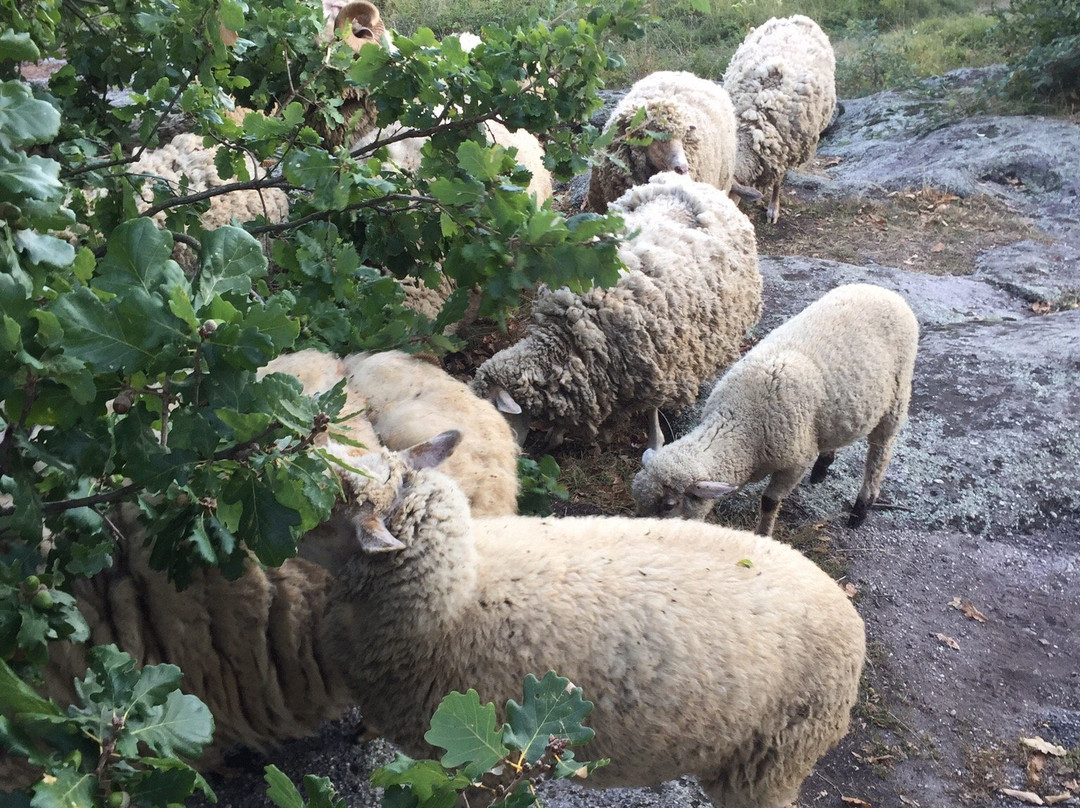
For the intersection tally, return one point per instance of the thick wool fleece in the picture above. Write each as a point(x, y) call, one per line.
point(838, 371)
point(186, 156)
point(411, 401)
point(675, 318)
point(250, 649)
point(698, 662)
point(699, 120)
point(782, 83)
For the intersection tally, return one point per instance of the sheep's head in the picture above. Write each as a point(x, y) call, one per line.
point(373, 487)
point(667, 486)
point(668, 135)
point(360, 24)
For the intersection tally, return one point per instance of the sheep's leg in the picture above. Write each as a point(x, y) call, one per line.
point(878, 454)
point(780, 485)
point(774, 204)
point(821, 467)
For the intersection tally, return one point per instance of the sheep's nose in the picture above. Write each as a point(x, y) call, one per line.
point(682, 169)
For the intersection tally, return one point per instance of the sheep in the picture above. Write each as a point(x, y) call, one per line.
point(250, 648)
point(411, 400)
point(782, 81)
point(675, 317)
point(695, 124)
point(186, 156)
point(838, 371)
point(705, 650)
point(403, 401)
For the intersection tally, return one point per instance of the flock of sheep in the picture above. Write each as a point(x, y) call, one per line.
point(707, 650)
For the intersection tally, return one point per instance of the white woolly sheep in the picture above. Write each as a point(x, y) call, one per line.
point(250, 648)
point(405, 400)
point(705, 650)
point(838, 371)
point(186, 156)
point(696, 123)
point(783, 85)
point(675, 318)
point(411, 400)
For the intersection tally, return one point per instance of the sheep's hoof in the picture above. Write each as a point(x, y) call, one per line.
point(821, 467)
point(858, 512)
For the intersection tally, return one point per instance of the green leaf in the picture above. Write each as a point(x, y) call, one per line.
point(265, 522)
point(483, 162)
point(181, 726)
point(232, 260)
point(18, 697)
point(97, 336)
point(466, 730)
point(281, 790)
point(44, 249)
point(18, 47)
point(25, 121)
point(551, 707)
point(64, 788)
point(432, 785)
point(29, 177)
point(455, 192)
point(139, 255)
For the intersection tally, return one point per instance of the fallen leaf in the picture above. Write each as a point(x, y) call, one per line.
point(1041, 307)
point(851, 590)
point(1054, 799)
point(947, 640)
point(1047, 748)
point(1034, 769)
point(855, 801)
point(938, 247)
point(1025, 796)
point(908, 801)
point(744, 562)
point(968, 608)
point(1072, 785)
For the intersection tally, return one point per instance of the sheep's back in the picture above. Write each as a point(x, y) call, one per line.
point(708, 641)
point(248, 648)
point(782, 83)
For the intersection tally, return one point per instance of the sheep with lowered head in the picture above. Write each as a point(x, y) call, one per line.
point(838, 371)
point(782, 81)
point(692, 125)
point(733, 658)
point(675, 317)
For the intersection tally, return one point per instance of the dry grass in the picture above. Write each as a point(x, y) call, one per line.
point(924, 230)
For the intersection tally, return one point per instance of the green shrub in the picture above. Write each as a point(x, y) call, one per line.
point(1048, 34)
point(539, 483)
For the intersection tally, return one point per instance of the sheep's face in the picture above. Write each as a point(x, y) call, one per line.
point(670, 490)
point(667, 155)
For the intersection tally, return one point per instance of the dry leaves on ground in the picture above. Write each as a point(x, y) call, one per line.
point(968, 609)
point(856, 801)
point(851, 590)
point(1030, 797)
point(1054, 799)
point(1047, 748)
point(945, 639)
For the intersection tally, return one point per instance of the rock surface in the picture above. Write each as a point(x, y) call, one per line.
point(983, 495)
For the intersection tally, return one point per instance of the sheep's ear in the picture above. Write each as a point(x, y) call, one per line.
point(375, 538)
point(433, 451)
point(710, 489)
point(656, 434)
point(504, 402)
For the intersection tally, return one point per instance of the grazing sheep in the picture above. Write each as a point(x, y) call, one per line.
point(404, 401)
point(696, 123)
point(250, 649)
point(705, 650)
point(186, 156)
point(783, 85)
point(838, 371)
point(411, 400)
point(675, 318)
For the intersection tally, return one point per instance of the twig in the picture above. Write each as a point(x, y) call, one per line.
point(324, 214)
